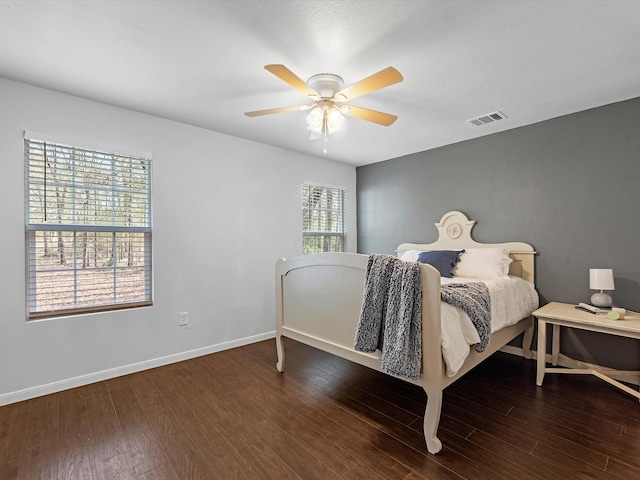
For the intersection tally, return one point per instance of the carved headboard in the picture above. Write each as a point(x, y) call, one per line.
point(454, 231)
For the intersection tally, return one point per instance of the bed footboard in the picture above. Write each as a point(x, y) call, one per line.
point(318, 302)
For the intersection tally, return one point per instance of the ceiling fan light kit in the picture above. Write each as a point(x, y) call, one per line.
point(325, 117)
point(328, 95)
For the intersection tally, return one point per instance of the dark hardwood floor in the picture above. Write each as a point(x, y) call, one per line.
point(232, 415)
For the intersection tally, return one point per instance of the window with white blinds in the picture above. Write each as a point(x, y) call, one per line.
point(323, 228)
point(88, 228)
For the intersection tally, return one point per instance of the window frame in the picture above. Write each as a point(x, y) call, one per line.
point(340, 234)
point(138, 233)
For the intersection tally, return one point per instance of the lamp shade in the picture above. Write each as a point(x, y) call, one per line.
point(601, 279)
point(315, 120)
point(335, 120)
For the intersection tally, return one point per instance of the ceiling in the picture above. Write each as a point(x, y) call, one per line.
point(201, 62)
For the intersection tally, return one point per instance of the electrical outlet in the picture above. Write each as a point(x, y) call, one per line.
point(183, 318)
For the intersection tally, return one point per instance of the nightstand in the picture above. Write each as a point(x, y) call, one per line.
point(566, 315)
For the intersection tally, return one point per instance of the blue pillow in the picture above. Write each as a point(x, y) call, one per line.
point(443, 260)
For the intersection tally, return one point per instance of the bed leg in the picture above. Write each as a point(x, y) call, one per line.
point(526, 343)
point(432, 419)
point(280, 350)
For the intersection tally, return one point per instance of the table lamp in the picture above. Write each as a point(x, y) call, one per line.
point(601, 279)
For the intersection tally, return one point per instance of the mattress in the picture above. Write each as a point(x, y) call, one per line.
point(512, 299)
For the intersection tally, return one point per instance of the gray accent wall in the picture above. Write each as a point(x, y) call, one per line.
point(569, 186)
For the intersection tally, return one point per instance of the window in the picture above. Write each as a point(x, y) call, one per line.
point(88, 229)
point(322, 219)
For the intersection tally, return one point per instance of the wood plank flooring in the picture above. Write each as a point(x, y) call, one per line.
point(231, 415)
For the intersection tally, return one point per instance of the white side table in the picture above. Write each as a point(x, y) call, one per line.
point(566, 315)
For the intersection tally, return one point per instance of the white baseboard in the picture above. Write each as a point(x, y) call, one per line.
point(38, 391)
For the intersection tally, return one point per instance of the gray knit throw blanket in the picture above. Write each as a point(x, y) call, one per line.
point(474, 300)
point(391, 315)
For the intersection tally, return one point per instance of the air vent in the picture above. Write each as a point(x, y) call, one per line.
point(487, 118)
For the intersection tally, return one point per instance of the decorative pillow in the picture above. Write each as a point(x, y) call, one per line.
point(483, 263)
point(443, 260)
point(410, 256)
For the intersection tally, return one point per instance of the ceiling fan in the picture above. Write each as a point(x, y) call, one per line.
point(329, 98)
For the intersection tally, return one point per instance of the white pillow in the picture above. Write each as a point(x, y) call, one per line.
point(483, 263)
point(410, 256)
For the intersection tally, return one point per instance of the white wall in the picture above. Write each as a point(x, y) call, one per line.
point(224, 209)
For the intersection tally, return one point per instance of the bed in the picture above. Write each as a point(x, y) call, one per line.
point(319, 301)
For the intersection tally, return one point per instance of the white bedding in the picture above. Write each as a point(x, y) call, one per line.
point(512, 299)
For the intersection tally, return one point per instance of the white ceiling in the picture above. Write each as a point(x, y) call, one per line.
point(201, 62)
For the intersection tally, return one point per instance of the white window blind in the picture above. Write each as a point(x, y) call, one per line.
point(88, 228)
point(323, 228)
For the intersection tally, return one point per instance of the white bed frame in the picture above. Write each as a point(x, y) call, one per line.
point(318, 301)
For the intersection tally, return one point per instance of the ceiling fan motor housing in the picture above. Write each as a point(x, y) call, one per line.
point(326, 84)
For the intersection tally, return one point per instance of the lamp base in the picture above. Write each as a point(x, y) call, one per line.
point(601, 300)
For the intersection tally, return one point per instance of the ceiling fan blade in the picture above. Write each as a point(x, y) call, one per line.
point(269, 111)
point(287, 76)
point(374, 116)
point(382, 79)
